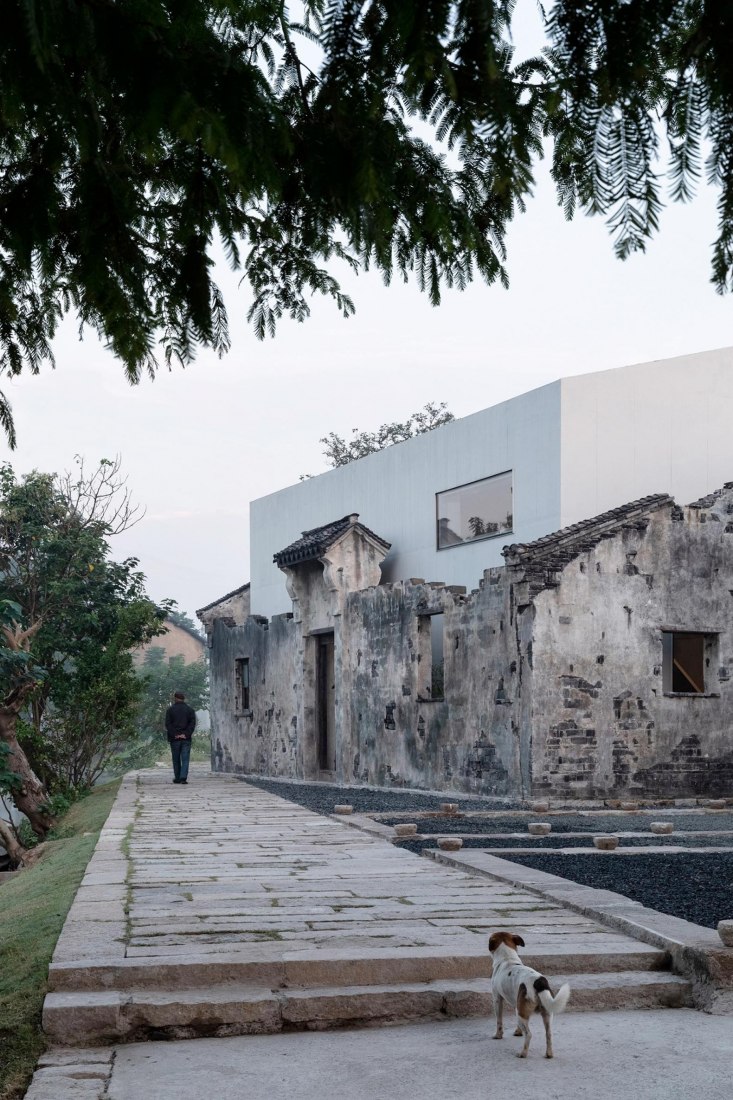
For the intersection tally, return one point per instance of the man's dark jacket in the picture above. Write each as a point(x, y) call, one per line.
point(180, 719)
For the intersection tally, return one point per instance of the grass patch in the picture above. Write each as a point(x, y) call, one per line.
point(33, 908)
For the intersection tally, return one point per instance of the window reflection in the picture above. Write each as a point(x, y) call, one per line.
point(479, 510)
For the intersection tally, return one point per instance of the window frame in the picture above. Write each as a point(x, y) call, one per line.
point(467, 485)
point(242, 690)
point(709, 640)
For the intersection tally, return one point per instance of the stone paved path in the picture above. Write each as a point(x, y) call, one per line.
point(218, 864)
point(219, 908)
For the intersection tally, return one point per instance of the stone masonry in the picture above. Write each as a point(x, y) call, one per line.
point(558, 675)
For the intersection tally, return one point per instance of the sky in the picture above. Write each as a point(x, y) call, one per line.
point(198, 444)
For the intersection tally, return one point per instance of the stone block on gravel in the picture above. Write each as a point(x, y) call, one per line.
point(725, 931)
point(343, 808)
point(662, 828)
point(450, 843)
point(539, 828)
point(405, 829)
point(605, 843)
point(449, 807)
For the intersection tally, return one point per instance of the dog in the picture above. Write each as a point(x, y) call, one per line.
point(525, 989)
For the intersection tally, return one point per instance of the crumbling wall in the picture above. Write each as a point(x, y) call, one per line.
point(393, 731)
point(603, 724)
point(264, 738)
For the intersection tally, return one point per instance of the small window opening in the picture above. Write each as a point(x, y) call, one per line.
point(685, 659)
point(437, 641)
point(431, 635)
point(241, 685)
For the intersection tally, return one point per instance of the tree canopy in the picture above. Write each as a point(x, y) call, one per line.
point(69, 617)
point(339, 451)
point(398, 134)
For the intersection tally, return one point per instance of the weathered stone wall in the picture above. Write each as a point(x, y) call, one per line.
point(552, 669)
point(394, 733)
point(233, 609)
point(602, 722)
point(263, 740)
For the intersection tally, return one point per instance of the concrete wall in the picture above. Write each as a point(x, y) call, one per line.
point(661, 427)
point(577, 448)
point(394, 493)
point(602, 723)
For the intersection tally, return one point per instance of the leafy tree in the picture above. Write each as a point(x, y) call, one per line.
point(161, 677)
point(69, 683)
point(340, 451)
point(133, 136)
point(19, 677)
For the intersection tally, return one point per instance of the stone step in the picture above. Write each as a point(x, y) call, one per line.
point(93, 1018)
point(269, 964)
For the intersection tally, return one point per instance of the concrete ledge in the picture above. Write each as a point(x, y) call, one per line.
point(696, 953)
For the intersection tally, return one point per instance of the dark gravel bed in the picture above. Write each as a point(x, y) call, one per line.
point(417, 843)
point(595, 823)
point(322, 797)
point(696, 887)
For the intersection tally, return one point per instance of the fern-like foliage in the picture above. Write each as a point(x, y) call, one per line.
point(392, 134)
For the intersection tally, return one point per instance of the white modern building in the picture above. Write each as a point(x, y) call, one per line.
point(450, 500)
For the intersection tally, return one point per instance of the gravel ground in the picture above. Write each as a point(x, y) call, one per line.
point(693, 886)
point(417, 844)
point(322, 797)
point(597, 822)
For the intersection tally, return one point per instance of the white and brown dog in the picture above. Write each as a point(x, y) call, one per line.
point(521, 987)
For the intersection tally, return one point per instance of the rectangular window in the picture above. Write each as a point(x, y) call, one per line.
point(479, 510)
point(241, 685)
point(686, 659)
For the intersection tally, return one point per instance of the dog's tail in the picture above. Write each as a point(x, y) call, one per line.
point(555, 1004)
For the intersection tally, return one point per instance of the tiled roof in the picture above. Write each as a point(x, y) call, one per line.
point(549, 555)
point(711, 499)
point(236, 592)
point(314, 543)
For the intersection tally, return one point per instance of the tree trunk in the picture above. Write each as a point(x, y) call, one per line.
point(15, 850)
point(30, 797)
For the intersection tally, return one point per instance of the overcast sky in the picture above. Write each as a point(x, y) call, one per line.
point(198, 445)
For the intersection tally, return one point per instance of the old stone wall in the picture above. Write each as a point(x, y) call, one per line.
point(602, 721)
point(263, 739)
point(396, 729)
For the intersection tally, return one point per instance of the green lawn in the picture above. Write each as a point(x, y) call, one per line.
point(33, 907)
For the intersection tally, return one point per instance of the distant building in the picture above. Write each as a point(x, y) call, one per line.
point(178, 641)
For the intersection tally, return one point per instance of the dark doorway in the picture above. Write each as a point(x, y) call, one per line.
point(326, 702)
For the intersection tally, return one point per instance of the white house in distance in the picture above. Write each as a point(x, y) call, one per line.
point(450, 500)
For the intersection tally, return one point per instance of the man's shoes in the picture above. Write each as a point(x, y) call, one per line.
point(176, 780)
point(183, 781)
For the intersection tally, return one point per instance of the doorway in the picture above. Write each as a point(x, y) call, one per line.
point(326, 702)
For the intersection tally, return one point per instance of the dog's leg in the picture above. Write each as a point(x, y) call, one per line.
point(524, 1011)
point(499, 1013)
point(547, 1021)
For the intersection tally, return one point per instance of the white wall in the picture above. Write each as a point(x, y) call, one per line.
point(394, 493)
point(661, 427)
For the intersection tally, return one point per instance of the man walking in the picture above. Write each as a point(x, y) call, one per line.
point(180, 722)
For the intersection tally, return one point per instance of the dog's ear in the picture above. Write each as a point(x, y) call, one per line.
point(494, 940)
point(518, 940)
